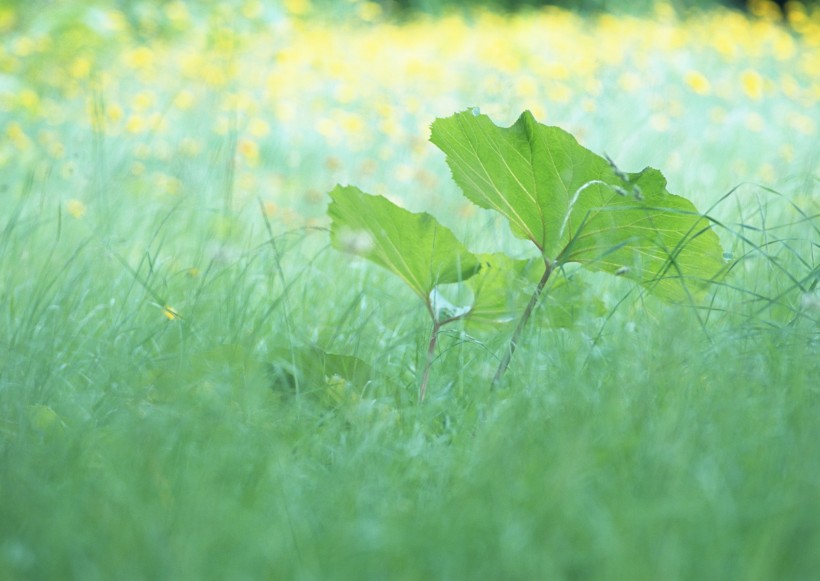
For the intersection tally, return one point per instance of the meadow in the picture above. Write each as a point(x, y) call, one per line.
point(168, 285)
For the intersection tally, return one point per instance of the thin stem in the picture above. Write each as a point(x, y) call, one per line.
point(516, 336)
point(431, 350)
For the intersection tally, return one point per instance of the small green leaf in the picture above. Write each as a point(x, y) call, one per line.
point(415, 247)
point(501, 289)
point(576, 206)
point(504, 285)
point(316, 371)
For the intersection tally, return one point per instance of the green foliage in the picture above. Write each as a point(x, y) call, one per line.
point(573, 205)
point(332, 377)
point(501, 289)
point(415, 247)
point(576, 206)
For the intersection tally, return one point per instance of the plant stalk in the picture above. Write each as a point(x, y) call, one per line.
point(431, 350)
point(516, 336)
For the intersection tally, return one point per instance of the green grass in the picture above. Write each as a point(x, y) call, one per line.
point(135, 446)
point(645, 442)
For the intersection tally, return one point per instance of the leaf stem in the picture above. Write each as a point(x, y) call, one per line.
point(516, 336)
point(431, 350)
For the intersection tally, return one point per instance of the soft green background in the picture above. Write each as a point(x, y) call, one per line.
point(166, 280)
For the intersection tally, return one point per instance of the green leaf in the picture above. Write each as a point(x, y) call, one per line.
point(317, 372)
point(661, 241)
point(415, 247)
point(501, 289)
point(504, 285)
point(574, 205)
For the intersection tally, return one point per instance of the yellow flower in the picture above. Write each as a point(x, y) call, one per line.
point(177, 13)
point(18, 136)
point(76, 208)
point(249, 150)
point(752, 84)
point(352, 124)
point(140, 58)
point(629, 82)
point(252, 9)
point(7, 18)
point(369, 11)
point(698, 82)
point(184, 100)
point(143, 101)
point(114, 112)
point(297, 7)
point(135, 124)
point(170, 313)
point(28, 99)
point(258, 127)
point(269, 209)
point(80, 68)
point(767, 173)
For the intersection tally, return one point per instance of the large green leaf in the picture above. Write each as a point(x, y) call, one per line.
point(415, 247)
point(571, 203)
point(661, 241)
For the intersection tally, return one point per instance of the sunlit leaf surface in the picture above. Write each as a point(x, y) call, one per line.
point(576, 206)
point(415, 247)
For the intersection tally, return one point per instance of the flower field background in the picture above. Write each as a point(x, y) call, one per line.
point(164, 170)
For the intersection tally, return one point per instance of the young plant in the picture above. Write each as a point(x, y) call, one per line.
point(576, 206)
point(572, 204)
point(415, 247)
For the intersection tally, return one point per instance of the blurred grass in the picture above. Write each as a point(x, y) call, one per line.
point(163, 178)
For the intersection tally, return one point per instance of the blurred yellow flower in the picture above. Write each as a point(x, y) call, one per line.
point(166, 184)
point(143, 101)
point(114, 112)
point(766, 173)
point(269, 209)
point(183, 100)
point(177, 13)
point(258, 127)
point(252, 9)
point(560, 93)
point(80, 68)
point(525, 86)
point(75, 208)
point(698, 82)
point(170, 313)
point(784, 47)
point(787, 152)
point(352, 124)
point(28, 99)
point(23, 46)
point(140, 58)
point(369, 11)
point(765, 9)
point(629, 82)
point(249, 150)
point(7, 18)
point(135, 124)
point(17, 136)
point(752, 84)
point(297, 7)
